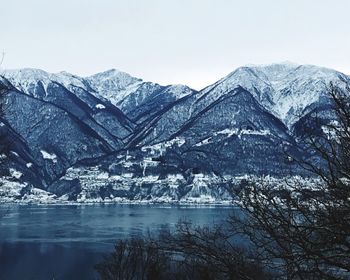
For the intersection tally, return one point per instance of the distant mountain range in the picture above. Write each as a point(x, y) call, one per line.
point(114, 137)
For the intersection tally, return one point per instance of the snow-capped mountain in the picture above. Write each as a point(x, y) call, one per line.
point(287, 89)
point(35, 81)
point(136, 98)
point(130, 94)
point(115, 137)
point(113, 85)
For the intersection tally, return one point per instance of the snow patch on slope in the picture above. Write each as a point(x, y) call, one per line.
point(49, 156)
point(100, 106)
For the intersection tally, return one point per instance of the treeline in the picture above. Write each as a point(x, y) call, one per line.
point(294, 231)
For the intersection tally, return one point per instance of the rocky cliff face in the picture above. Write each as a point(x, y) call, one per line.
point(114, 137)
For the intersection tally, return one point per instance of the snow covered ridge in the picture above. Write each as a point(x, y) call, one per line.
point(27, 78)
point(112, 85)
point(285, 89)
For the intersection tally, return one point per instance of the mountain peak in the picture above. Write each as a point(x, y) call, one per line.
point(114, 74)
point(286, 89)
point(283, 64)
point(179, 91)
point(113, 84)
point(279, 70)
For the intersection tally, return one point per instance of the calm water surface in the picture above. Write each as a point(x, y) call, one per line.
point(64, 242)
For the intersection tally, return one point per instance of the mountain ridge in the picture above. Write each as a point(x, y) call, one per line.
point(111, 136)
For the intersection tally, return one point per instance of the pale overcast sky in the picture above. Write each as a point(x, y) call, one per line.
point(193, 42)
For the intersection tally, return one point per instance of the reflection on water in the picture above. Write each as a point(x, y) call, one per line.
point(64, 242)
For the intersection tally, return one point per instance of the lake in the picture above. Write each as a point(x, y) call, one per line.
point(65, 241)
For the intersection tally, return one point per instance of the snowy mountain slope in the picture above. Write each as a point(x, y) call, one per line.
point(232, 135)
point(35, 81)
point(71, 94)
point(136, 98)
point(112, 89)
point(164, 123)
point(150, 99)
point(113, 85)
point(293, 91)
point(49, 130)
point(62, 121)
point(15, 158)
point(287, 90)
